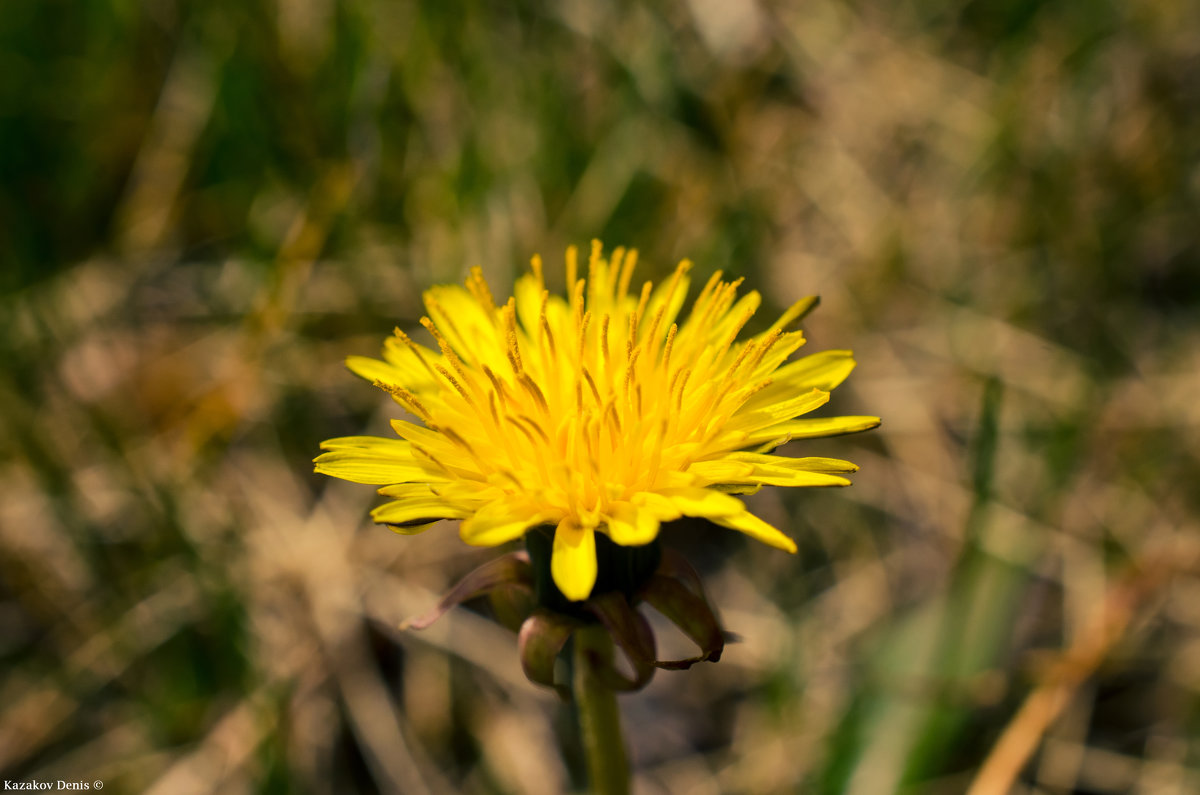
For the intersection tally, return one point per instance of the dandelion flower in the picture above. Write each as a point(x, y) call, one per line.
point(600, 412)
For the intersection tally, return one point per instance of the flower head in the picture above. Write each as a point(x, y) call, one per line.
point(598, 412)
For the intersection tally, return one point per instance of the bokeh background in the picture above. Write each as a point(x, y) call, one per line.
point(204, 207)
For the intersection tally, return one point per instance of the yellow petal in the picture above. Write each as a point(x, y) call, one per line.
point(815, 464)
point(467, 493)
point(528, 293)
point(747, 304)
point(669, 300)
point(721, 471)
point(768, 470)
point(573, 561)
point(497, 523)
point(756, 528)
point(758, 413)
point(781, 476)
point(703, 502)
point(467, 326)
point(407, 491)
point(402, 356)
point(658, 506)
point(412, 510)
point(811, 464)
point(679, 480)
point(737, 488)
point(411, 432)
point(788, 343)
point(631, 526)
point(371, 468)
point(377, 444)
point(824, 371)
point(435, 444)
point(411, 529)
point(374, 370)
point(809, 429)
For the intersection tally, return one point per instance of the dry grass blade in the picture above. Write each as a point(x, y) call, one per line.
point(1061, 680)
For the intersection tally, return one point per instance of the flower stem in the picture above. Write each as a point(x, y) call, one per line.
point(599, 717)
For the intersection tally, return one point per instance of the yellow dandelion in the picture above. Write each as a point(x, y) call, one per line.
point(600, 412)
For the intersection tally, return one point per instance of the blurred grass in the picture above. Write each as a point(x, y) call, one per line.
point(206, 206)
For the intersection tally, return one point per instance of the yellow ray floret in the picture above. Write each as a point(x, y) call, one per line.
point(601, 411)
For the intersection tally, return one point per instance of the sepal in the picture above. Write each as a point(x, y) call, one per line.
point(539, 643)
point(632, 634)
point(511, 570)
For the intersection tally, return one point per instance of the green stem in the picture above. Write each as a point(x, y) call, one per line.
point(599, 717)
